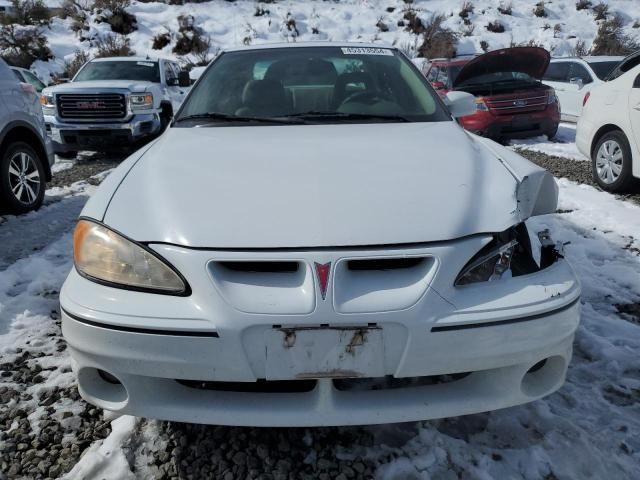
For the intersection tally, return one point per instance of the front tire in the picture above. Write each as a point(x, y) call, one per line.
point(611, 162)
point(22, 178)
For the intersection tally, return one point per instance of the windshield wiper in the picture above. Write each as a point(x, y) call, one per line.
point(348, 116)
point(225, 117)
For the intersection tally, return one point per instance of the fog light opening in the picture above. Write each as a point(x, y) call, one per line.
point(544, 376)
point(102, 388)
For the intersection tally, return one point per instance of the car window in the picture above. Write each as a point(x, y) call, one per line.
point(33, 80)
point(144, 71)
point(278, 82)
point(432, 74)
point(602, 69)
point(18, 75)
point(169, 74)
point(578, 71)
point(557, 72)
point(636, 82)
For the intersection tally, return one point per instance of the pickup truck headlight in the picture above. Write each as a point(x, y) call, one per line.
point(509, 254)
point(48, 106)
point(104, 256)
point(142, 101)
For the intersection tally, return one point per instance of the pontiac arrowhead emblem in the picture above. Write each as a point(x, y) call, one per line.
point(323, 271)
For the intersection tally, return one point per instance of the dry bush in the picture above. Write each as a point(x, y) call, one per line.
point(484, 45)
point(161, 40)
point(636, 24)
point(580, 50)
point(260, 11)
point(115, 14)
point(610, 39)
point(495, 27)
point(466, 11)
point(290, 27)
point(468, 29)
point(71, 67)
point(583, 4)
point(505, 8)
point(557, 30)
point(601, 11)
point(22, 45)
point(412, 22)
point(77, 10)
point(540, 11)
point(437, 40)
point(191, 39)
point(114, 45)
point(27, 12)
point(383, 27)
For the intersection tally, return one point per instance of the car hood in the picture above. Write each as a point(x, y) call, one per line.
point(316, 186)
point(132, 85)
point(530, 60)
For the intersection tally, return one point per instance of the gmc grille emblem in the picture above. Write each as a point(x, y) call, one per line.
point(90, 105)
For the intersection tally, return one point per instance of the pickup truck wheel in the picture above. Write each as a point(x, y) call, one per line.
point(21, 178)
point(611, 162)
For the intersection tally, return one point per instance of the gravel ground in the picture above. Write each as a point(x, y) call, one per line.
point(84, 168)
point(579, 172)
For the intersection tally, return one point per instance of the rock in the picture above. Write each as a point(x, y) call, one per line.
point(239, 458)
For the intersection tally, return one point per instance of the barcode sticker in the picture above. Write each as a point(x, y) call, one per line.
point(146, 64)
point(366, 51)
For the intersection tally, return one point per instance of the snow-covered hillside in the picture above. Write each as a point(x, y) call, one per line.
point(235, 23)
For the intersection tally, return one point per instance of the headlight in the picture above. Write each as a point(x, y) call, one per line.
point(48, 107)
point(104, 256)
point(552, 97)
point(143, 101)
point(481, 106)
point(508, 254)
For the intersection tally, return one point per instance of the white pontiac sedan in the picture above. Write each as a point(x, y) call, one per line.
point(316, 241)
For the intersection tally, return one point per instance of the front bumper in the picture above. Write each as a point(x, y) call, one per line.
point(69, 136)
point(470, 353)
point(524, 125)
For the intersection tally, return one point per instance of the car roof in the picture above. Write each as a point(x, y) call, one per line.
point(129, 59)
point(266, 46)
point(591, 59)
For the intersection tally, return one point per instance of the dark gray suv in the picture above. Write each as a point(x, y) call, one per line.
point(26, 156)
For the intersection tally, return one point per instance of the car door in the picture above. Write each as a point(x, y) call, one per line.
point(634, 114)
point(580, 81)
point(557, 77)
point(175, 91)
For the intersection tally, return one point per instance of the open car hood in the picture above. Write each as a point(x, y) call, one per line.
point(530, 60)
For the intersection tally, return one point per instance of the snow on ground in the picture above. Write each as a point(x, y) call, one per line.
point(563, 145)
point(230, 24)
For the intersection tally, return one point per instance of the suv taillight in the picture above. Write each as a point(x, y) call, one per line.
point(586, 98)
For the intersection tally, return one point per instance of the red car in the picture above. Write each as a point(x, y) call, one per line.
point(511, 100)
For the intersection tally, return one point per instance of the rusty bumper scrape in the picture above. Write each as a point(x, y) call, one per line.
point(310, 352)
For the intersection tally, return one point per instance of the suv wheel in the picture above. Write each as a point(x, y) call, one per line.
point(21, 178)
point(611, 162)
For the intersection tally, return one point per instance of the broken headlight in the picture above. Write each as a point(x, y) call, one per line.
point(509, 254)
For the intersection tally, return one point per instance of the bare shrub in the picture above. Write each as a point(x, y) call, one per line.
point(636, 24)
point(540, 11)
point(466, 11)
point(27, 12)
point(161, 40)
point(115, 14)
point(610, 39)
point(413, 22)
point(113, 45)
point(484, 45)
point(437, 40)
point(580, 50)
point(505, 8)
point(191, 40)
point(468, 29)
point(557, 30)
point(22, 45)
point(260, 11)
point(583, 4)
point(495, 26)
point(600, 11)
point(71, 67)
point(382, 26)
point(77, 10)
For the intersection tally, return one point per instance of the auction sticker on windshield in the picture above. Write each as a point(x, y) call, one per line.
point(145, 64)
point(366, 51)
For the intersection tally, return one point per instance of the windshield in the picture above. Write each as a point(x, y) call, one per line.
point(602, 69)
point(120, 70)
point(319, 84)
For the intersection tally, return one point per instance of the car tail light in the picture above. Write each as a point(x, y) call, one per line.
point(480, 105)
point(586, 98)
point(27, 87)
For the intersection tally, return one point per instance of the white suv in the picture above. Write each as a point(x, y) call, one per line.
point(25, 152)
point(572, 78)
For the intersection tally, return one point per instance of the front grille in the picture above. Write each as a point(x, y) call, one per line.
point(92, 106)
point(522, 104)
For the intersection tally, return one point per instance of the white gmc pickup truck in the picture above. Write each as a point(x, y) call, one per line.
point(113, 104)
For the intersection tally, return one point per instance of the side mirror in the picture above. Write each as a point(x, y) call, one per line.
point(183, 79)
point(576, 81)
point(172, 82)
point(460, 104)
point(438, 85)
